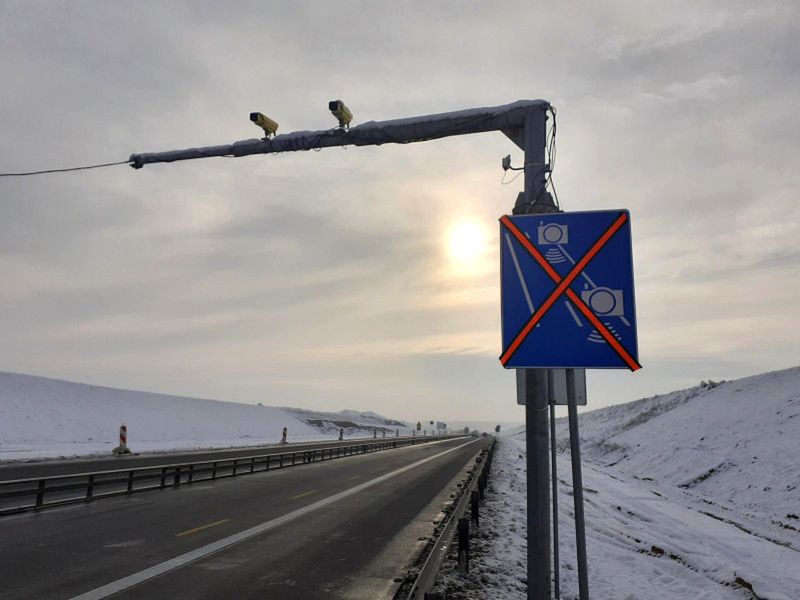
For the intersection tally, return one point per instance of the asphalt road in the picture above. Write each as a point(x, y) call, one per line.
point(25, 470)
point(342, 529)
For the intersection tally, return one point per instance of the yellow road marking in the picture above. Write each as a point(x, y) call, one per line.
point(303, 495)
point(201, 528)
point(353, 478)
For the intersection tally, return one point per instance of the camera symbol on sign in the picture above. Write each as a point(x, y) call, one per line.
point(552, 233)
point(604, 302)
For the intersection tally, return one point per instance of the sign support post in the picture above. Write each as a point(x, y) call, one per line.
point(577, 487)
point(535, 199)
point(554, 477)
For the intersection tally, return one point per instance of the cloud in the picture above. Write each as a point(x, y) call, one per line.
point(324, 278)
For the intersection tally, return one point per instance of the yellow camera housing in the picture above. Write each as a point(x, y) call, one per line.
point(268, 125)
point(341, 112)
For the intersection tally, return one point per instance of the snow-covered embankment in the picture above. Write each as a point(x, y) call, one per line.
point(42, 418)
point(693, 494)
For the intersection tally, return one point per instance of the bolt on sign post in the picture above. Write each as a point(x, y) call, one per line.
point(567, 305)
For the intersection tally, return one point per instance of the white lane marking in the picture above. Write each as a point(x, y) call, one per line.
point(184, 559)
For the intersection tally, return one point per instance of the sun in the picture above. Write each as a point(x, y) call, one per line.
point(467, 242)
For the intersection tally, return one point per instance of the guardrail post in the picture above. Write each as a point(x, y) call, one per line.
point(176, 479)
point(281, 461)
point(40, 493)
point(214, 470)
point(235, 462)
point(191, 473)
point(294, 454)
point(131, 475)
point(474, 507)
point(252, 464)
point(463, 545)
point(90, 487)
point(163, 477)
point(266, 463)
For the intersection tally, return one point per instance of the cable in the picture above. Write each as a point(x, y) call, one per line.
point(551, 153)
point(23, 174)
point(512, 180)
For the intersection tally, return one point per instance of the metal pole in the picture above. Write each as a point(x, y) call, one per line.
point(554, 477)
point(535, 199)
point(577, 486)
point(538, 467)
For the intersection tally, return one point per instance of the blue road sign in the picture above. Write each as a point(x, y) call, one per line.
point(567, 291)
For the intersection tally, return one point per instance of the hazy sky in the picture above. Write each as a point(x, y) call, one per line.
point(329, 279)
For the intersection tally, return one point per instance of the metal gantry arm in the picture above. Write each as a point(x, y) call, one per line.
point(509, 118)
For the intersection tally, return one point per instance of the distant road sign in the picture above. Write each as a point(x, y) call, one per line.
point(567, 291)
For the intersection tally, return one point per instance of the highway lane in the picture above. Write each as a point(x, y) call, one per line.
point(25, 470)
point(350, 546)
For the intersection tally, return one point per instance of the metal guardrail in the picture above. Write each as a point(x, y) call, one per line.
point(472, 492)
point(36, 493)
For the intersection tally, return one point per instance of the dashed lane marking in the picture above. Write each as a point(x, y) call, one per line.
point(201, 528)
point(303, 495)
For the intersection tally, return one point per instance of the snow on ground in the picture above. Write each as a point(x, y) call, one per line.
point(692, 494)
point(46, 418)
point(353, 422)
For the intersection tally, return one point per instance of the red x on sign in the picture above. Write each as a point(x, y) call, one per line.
point(563, 288)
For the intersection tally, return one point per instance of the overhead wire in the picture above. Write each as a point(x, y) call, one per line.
point(84, 168)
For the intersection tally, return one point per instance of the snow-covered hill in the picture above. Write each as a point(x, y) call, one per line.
point(692, 494)
point(353, 422)
point(41, 417)
point(734, 443)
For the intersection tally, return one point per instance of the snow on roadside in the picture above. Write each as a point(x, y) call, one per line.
point(642, 542)
point(48, 418)
point(733, 445)
point(352, 422)
point(655, 527)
